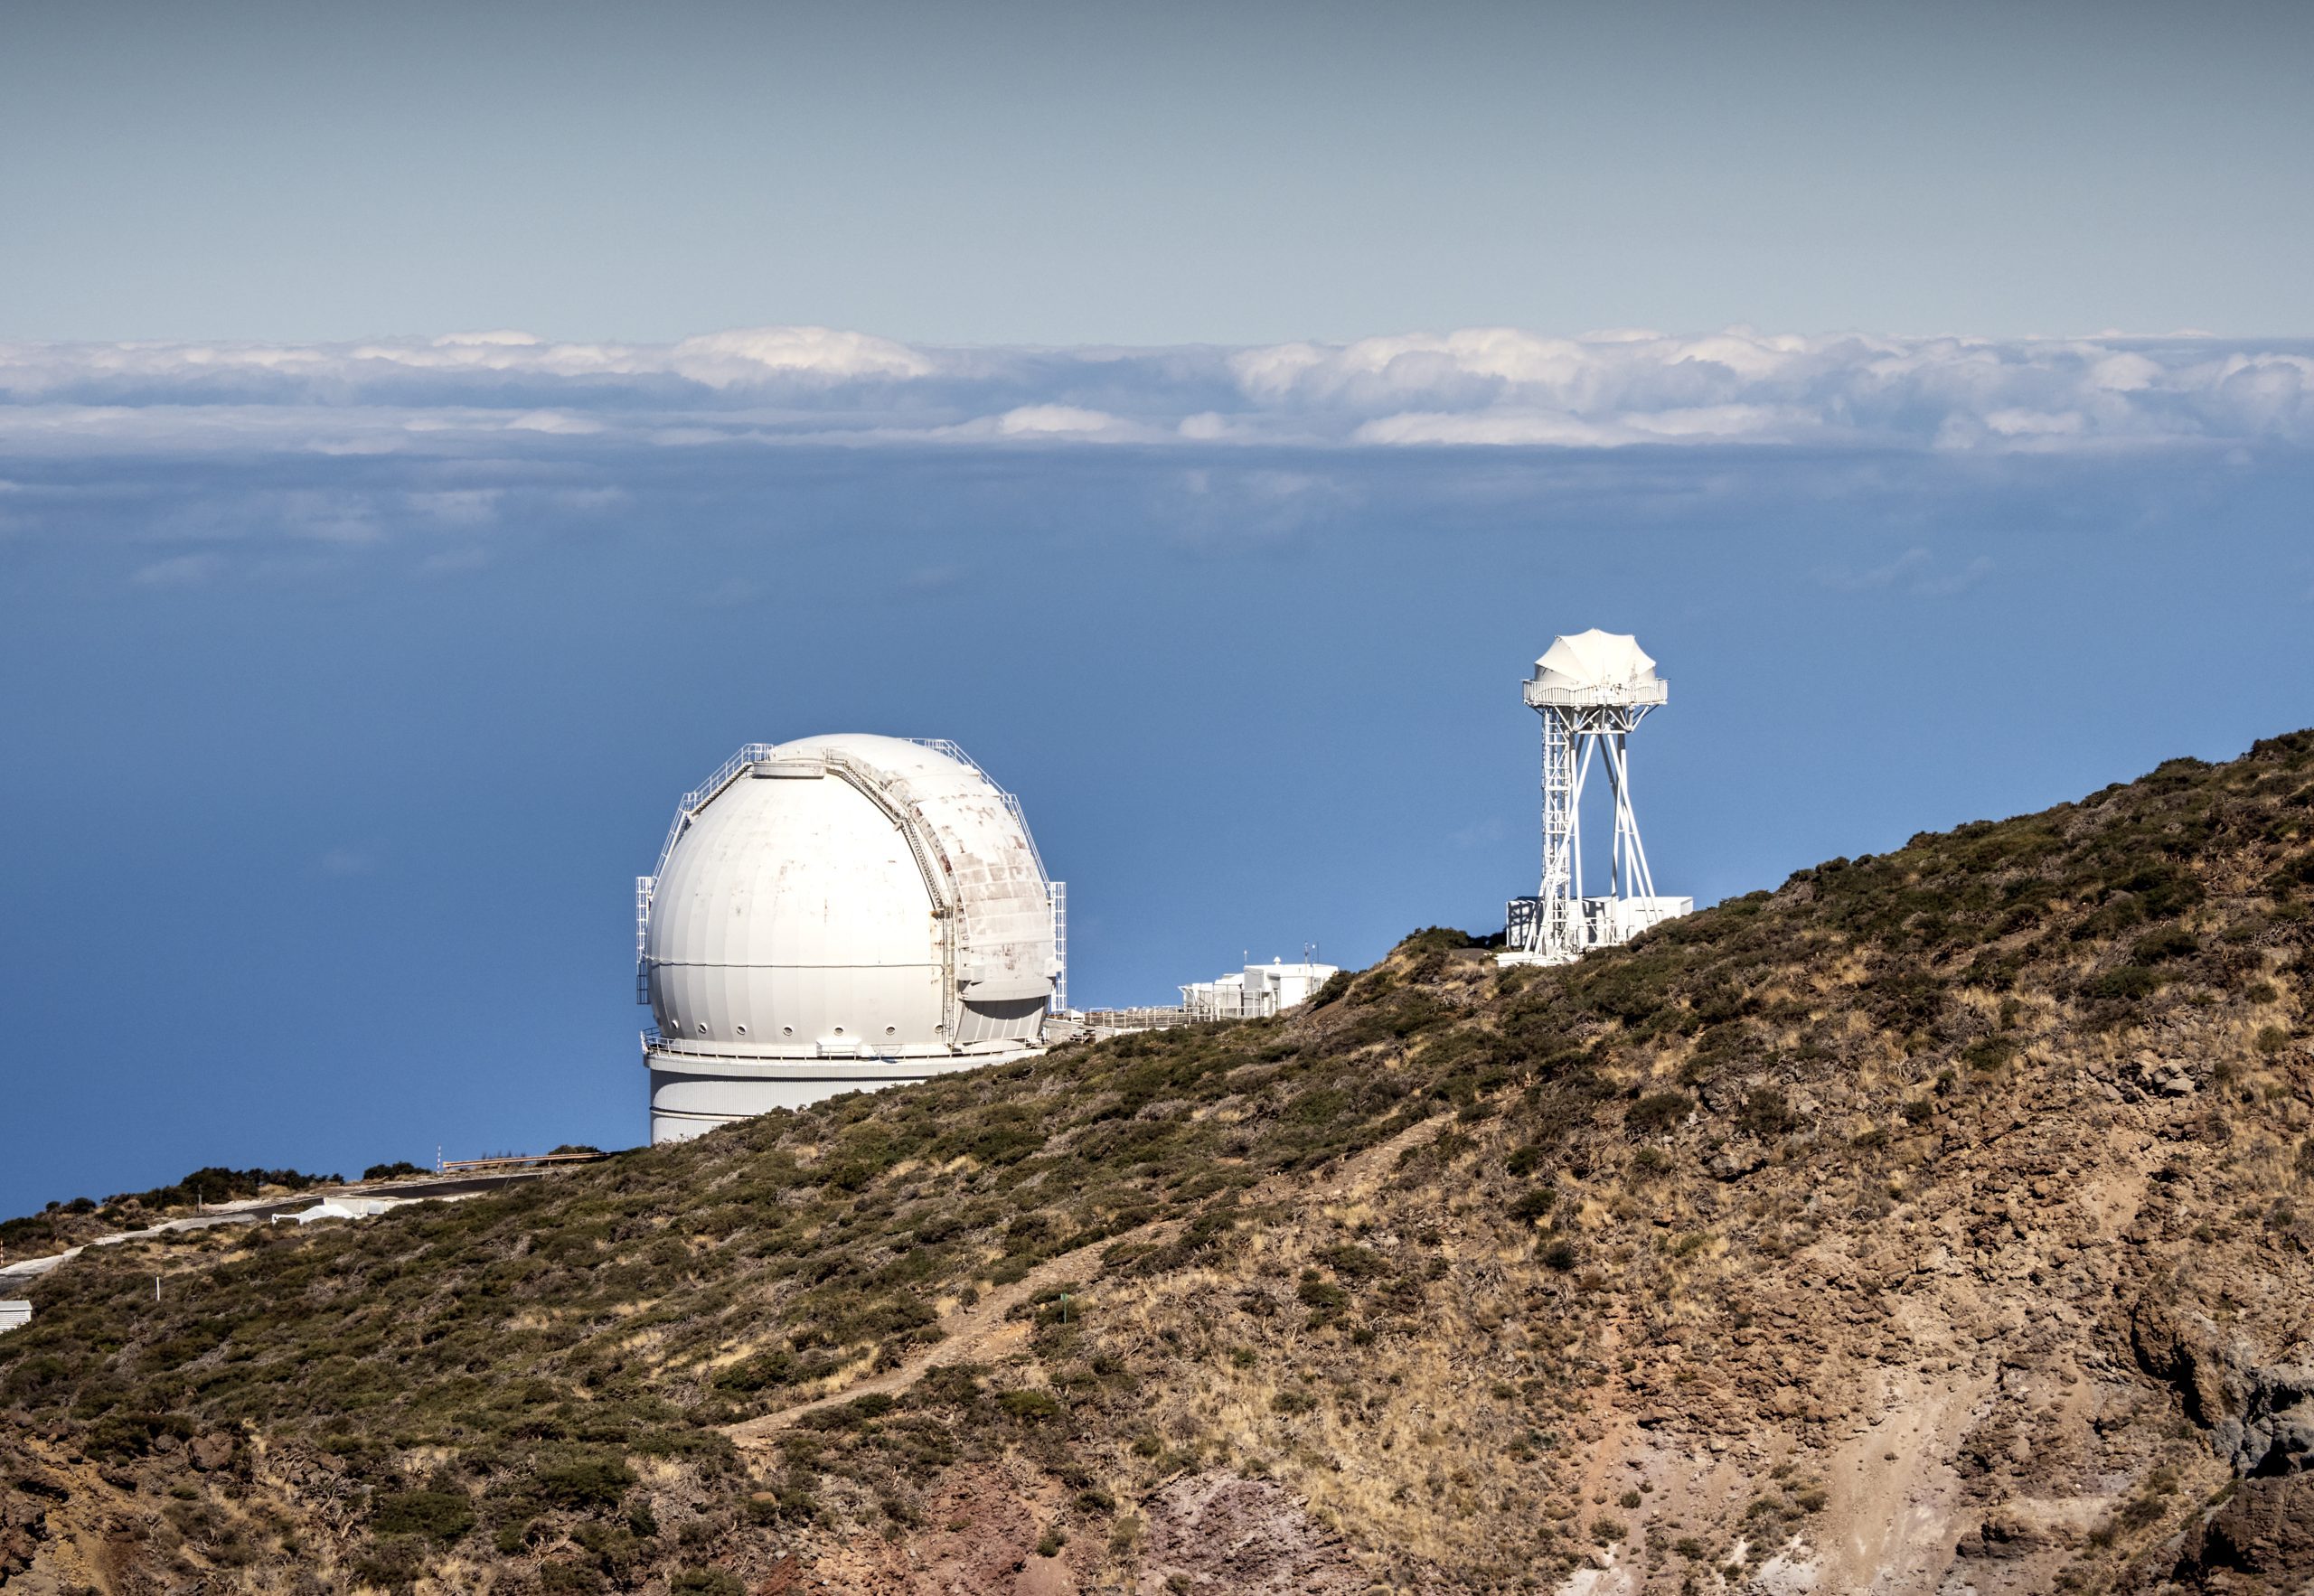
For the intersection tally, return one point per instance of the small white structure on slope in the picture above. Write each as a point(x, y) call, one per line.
point(1592, 690)
point(14, 1314)
point(838, 913)
point(1257, 992)
point(342, 1207)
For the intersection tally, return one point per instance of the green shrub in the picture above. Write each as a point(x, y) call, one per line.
point(1000, 1145)
point(215, 1184)
point(1766, 1114)
point(122, 1435)
point(25, 1232)
point(706, 1582)
point(1030, 1406)
point(761, 1372)
point(392, 1565)
point(1320, 1294)
point(1534, 1204)
point(2292, 876)
point(440, 1515)
point(1988, 1053)
point(2125, 984)
point(1657, 1112)
point(585, 1482)
point(1437, 939)
point(1354, 1262)
point(851, 1415)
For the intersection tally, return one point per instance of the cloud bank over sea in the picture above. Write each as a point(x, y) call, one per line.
point(502, 392)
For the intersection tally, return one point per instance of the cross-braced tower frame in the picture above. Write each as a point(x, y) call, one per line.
point(1592, 691)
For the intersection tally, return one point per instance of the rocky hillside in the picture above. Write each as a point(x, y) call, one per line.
point(1937, 1222)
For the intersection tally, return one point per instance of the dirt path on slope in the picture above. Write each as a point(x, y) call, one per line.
point(983, 1333)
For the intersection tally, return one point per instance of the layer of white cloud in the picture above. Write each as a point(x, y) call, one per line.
point(727, 360)
point(487, 392)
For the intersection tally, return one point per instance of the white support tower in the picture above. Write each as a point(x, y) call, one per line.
point(1592, 691)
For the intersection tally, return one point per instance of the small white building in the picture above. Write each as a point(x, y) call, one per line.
point(1255, 993)
point(15, 1315)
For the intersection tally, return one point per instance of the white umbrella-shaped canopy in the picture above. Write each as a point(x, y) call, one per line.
point(1596, 661)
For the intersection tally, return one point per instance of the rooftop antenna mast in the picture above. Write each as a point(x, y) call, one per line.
point(1592, 690)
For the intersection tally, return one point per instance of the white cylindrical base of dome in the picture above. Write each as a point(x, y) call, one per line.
point(693, 1093)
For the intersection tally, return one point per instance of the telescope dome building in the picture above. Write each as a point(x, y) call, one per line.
point(838, 913)
point(1592, 688)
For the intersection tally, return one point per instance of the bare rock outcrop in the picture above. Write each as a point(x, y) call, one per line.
point(2260, 1539)
point(1218, 1532)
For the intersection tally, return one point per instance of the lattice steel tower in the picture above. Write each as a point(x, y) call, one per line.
point(1592, 691)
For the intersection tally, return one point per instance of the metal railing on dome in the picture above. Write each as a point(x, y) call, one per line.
point(1012, 805)
point(645, 885)
point(696, 799)
point(1651, 694)
point(1057, 895)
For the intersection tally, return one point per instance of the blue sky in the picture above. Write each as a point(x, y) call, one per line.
point(1096, 172)
point(430, 442)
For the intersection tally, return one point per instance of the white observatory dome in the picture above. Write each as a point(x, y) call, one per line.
point(1595, 662)
point(837, 913)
